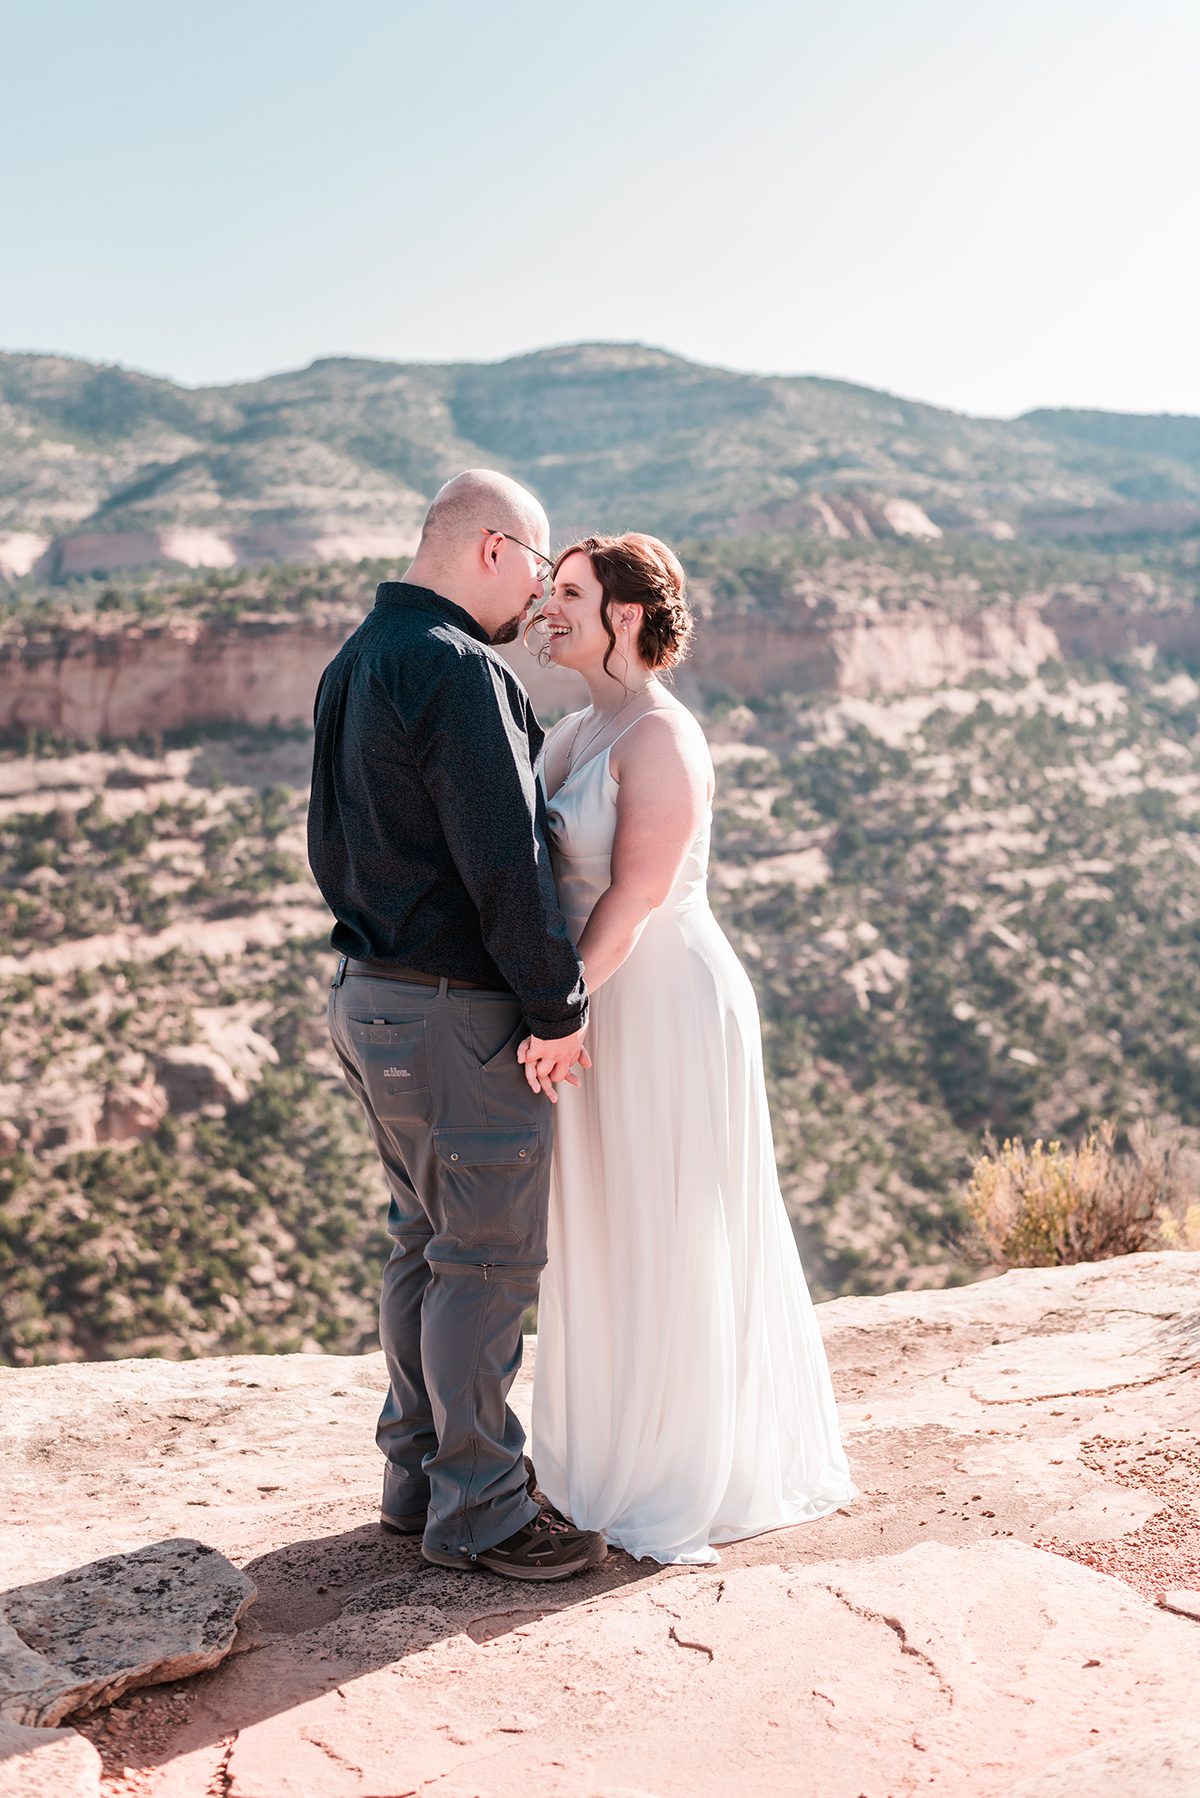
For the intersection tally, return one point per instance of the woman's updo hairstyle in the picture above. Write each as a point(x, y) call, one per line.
point(639, 570)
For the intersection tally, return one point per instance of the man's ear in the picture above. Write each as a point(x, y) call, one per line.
point(489, 550)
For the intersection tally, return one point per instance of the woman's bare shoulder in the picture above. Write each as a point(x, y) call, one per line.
point(669, 734)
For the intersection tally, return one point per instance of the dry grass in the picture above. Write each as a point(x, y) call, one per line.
point(1180, 1229)
point(1049, 1205)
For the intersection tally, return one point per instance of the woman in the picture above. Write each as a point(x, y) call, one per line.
point(681, 1393)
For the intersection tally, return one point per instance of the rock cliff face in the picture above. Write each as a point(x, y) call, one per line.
point(143, 680)
point(149, 679)
point(1007, 1611)
point(868, 653)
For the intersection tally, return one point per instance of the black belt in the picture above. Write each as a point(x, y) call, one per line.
point(379, 970)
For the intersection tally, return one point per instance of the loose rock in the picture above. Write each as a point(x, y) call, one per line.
point(80, 1640)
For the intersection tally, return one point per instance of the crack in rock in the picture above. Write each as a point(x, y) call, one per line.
point(222, 1779)
point(700, 1647)
point(1041, 1398)
point(898, 1630)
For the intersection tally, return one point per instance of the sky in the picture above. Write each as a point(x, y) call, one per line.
point(987, 204)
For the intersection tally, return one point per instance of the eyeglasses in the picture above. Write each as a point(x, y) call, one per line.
point(547, 564)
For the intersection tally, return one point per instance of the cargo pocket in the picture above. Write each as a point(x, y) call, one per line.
point(493, 1186)
point(394, 1065)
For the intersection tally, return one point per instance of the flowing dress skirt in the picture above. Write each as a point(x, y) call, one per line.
point(681, 1393)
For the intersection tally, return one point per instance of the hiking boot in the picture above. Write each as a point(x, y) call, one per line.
point(546, 1549)
point(413, 1522)
point(412, 1525)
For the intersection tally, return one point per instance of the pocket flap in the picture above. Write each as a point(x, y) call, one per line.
point(405, 1034)
point(489, 1147)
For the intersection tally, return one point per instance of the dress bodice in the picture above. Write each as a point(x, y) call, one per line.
point(583, 822)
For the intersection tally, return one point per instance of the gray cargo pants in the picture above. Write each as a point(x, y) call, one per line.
point(465, 1145)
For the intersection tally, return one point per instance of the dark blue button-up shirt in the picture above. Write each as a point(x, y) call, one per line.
point(427, 826)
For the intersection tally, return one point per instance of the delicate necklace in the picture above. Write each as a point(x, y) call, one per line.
point(572, 764)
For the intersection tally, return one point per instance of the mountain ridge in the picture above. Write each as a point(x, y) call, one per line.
point(103, 467)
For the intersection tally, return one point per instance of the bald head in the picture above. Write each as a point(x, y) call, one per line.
point(477, 500)
point(485, 544)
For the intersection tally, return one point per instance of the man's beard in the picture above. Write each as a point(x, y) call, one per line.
point(508, 633)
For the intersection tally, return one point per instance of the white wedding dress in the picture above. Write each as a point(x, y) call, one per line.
point(681, 1394)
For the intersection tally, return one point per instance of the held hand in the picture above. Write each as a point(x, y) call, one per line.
point(580, 1060)
point(550, 1060)
point(536, 1068)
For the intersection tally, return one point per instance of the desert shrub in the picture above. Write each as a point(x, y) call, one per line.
point(1050, 1206)
point(1180, 1229)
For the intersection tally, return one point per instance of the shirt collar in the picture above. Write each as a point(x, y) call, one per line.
point(404, 593)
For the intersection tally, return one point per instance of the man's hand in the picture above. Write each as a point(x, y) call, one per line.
point(548, 1060)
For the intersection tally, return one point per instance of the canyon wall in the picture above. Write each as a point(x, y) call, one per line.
point(144, 679)
point(867, 652)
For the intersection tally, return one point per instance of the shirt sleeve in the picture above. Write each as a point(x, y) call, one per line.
point(466, 730)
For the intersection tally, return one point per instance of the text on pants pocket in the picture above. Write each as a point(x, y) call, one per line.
point(393, 1062)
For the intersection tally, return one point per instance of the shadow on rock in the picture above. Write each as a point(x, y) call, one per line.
point(332, 1608)
point(1181, 1337)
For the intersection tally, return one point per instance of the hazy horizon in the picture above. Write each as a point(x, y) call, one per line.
point(986, 209)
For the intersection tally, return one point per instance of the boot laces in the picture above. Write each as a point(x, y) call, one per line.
point(549, 1523)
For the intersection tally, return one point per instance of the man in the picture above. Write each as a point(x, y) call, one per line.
point(426, 836)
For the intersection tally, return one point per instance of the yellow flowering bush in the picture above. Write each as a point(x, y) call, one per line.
point(1051, 1205)
point(1182, 1230)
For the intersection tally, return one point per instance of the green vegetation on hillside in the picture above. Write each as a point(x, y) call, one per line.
point(610, 435)
point(257, 1229)
point(151, 598)
point(963, 911)
point(79, 873)
point(1004, 937)
point(772, 575)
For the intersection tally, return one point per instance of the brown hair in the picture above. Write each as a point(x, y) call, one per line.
point(639, 570)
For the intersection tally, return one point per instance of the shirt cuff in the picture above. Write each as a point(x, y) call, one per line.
point(550, 1028)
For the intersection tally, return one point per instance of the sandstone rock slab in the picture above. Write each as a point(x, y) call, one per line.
point(47, 1763)
point(372, 1671)
point(943, 1670)
point(81, 1639)
point(1149, 1763)
point(1093, 1361)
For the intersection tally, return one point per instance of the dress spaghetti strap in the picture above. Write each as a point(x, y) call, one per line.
point(625, 732)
